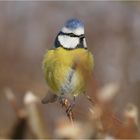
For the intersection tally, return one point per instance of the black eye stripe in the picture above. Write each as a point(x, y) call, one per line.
point(72, 35)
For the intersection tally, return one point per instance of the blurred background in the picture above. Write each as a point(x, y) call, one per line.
point(28, 29)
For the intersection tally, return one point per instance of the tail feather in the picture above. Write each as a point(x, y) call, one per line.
point(49, 98)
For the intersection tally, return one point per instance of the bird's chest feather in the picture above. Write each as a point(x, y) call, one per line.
point(60, 74)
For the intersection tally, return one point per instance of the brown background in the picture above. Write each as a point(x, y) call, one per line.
point(27, 29)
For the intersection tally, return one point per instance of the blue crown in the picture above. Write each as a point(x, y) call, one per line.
point(74, 23)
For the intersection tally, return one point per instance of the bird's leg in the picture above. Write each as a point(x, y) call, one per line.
point(69, 110)
point(68, 106)
point(63, 101)
point(71, 106)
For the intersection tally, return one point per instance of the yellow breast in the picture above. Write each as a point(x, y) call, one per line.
point(59, 63)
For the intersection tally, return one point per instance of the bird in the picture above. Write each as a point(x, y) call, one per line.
point(64, 77)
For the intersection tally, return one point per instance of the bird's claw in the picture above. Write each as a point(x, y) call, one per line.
point(65, 103)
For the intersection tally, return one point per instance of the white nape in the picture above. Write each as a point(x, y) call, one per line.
point(68, 42)
point(77, 31)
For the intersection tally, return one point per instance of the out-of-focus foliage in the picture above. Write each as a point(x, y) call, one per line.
point(27, 29)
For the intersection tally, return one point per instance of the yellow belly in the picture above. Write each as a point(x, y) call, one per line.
point(58, 65)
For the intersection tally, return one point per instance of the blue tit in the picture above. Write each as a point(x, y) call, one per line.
point(63, 78)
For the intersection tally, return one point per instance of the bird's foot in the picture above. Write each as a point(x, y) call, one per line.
point(63, 101)
point(68, 106)
point(69, 111)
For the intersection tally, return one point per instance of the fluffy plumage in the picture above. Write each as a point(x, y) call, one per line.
point(60, 75)
point(68, 42)
point(74, 24)
point(58, 64)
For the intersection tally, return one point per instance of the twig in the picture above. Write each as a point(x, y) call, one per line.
point(65, 103)
point(18, 131)
point(34, 116)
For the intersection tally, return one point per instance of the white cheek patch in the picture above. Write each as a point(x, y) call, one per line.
point(77, 31)
point(68, 42)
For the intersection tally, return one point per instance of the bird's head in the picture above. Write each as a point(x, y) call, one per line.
point(71, 35)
